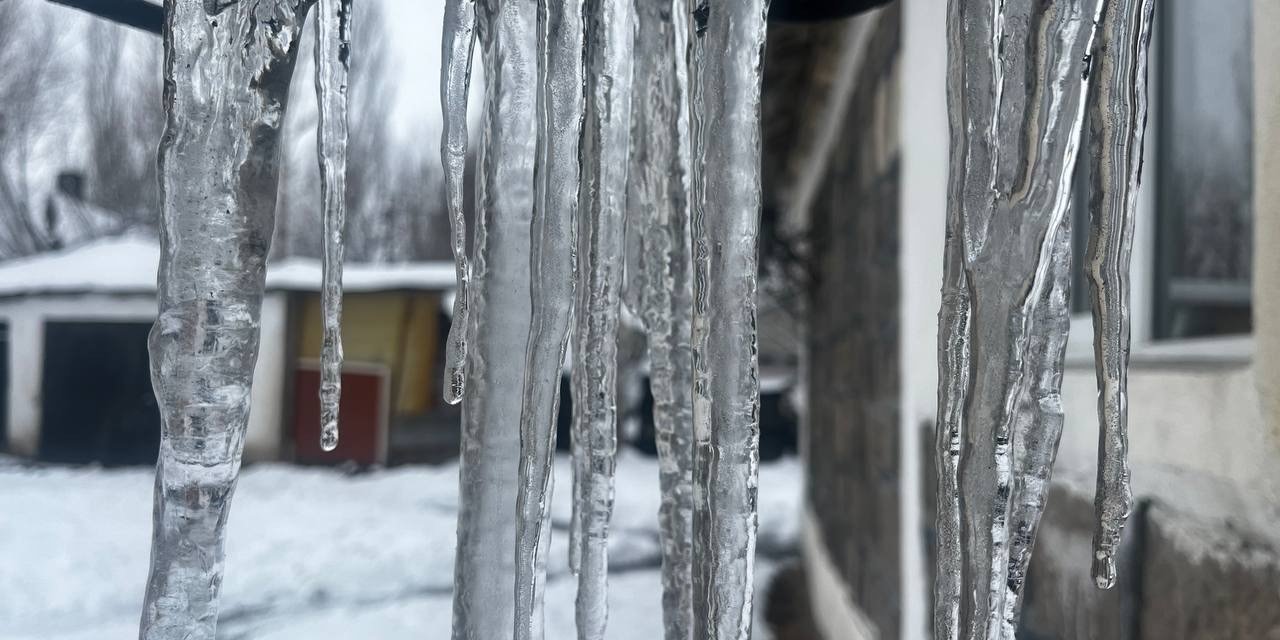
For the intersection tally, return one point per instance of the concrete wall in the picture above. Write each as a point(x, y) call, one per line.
point(27, 316)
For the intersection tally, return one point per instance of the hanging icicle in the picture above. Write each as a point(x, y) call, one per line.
point(553, 274)
point(333, 59)
point(658, 219)
point(1016, 91)
point(724, 75)
point(606, 138)
point(498, 324)
point(1118, 118)
point(455, 83)
point(1037, 426)
point(227, 72)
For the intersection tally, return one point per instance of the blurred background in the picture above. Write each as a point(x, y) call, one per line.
point(358, 543)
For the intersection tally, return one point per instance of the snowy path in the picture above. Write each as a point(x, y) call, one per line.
point(313, 553)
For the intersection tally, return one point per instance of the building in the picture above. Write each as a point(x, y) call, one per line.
point(75, 359)
point(1204, 395)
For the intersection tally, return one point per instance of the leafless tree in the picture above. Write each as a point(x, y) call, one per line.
point(29, 46)
point(394, 202)
point(125, 117)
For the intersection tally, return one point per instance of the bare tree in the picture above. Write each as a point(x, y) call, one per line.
point(29, 46)
point(394, 198)
point(125, 117)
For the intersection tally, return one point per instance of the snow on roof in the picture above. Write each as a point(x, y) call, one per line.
point(127, 264)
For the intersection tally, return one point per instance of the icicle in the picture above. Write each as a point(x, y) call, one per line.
point(1037, 426)
point(455, 81)
point(227, 76)
point(725, 70)
point(333, 58)
point(658, 218)
point(553, 276)
point(498, 324)
point(1016, 94)
point(606, 140)
point(1118, 118)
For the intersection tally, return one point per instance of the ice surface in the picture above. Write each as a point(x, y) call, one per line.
point(1117, 118)
point(1016, 91)
point(227, 71)
point(333, 57)
point(455, 81)
point(553, 273)
point(605, 144)
point(724, 76)
point(497, 325)
point(658, 221)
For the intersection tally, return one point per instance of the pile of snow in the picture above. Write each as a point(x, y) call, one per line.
point(317, 553)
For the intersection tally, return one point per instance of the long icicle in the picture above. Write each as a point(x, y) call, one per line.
point(658, 207)
point(553, 273)
point(333, 60)
point(458, 42)
point(1016, 92)
point(1038, 420)
point(1118, 118)
point(484, 573)
point(606, 139)
point(725, 72)
point(227, 86)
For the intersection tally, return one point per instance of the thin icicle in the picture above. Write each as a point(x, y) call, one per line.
point(658, 219)
point(1118, 118)
point(553, 276)
point(1037, 426)
point(227, 79)
point(1016, 92)
point(455, 82)
point(333, 59)
point(725, 72)
point(606, 138)
point(484, 572)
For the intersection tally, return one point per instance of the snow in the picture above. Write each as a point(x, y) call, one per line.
point(127, 264)
point(314, 552)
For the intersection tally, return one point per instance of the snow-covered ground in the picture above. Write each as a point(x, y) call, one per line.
point(315, 553)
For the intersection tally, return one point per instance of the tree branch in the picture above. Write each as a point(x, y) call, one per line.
point(138, 14)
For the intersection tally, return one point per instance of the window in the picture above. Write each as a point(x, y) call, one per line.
point(1201, 135)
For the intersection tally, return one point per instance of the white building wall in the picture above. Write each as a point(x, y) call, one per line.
point(924, 130)
point(27, 316)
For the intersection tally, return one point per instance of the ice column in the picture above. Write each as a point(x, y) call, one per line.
point(553, 274)
point(726, 59)
point(498, 324)
point(658, 210)
point(458, 41)
point(227, 72)
point(333, 58)
point(1118, 118)
point(1016, 90)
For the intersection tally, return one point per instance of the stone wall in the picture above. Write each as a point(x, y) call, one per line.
point(1198, 563)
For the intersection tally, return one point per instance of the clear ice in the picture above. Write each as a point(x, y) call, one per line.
point(227, 73)
point(606, 138)
point(1017, 75)
point(333, 58)
point(553, 275)
point(1117, 118)
point(658, 218)
point(726, 57)
point(497, 324)
point(455, 81)
point(1021, 75)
